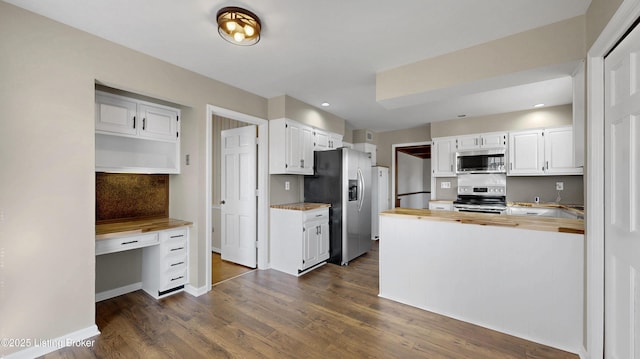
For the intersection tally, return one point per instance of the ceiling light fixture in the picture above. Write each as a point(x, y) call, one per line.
point(538, 105)
point(325, 104)
point(239, 26)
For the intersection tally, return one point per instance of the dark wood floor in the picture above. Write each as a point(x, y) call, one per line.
point(332, 312)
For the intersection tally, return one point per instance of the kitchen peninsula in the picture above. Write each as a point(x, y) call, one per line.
point(519, 275)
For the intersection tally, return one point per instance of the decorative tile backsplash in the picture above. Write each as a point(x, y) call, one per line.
point(128, 196)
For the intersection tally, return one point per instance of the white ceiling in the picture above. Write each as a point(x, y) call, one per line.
point(329, 50)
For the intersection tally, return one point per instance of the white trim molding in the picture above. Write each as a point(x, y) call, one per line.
point(112, 293)
point(196, 291)
point(46, 346)
point(262, 191)
point(392, 175)
point(624, 17)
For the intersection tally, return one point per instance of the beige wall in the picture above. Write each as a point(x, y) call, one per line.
point(512, 121)
point(598, 15)
point(47, 153)
point(293, 109)
point(551, 45)
point(389, 138)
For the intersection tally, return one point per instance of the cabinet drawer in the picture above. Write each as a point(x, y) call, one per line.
point(315, 215)
point(174, 242)
point(172, 279)
point(174, 263)
point(104, 246)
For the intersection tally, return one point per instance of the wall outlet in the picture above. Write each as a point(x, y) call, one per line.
point(287, 185)
point(445, 184)
point(559, 186)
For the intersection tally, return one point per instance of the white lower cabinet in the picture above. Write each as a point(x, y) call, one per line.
point(164, 259)
point(299, 239)
point(164, 267)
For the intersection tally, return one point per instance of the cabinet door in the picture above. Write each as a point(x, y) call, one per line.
point(293, 147)
point(526, 153)
point(116, 115)
point(471, 142)
point(310, 245)
point(443, 157)
point(158, 123)
point(323, 242)
point(322, 141)
point(493, 140)
point(307, 142)
point(335, 141)
point(559, 153)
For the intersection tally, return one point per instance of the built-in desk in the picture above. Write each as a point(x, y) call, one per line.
point(164, 243)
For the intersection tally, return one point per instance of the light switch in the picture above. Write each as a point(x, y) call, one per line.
point(559, 186)
point(445, 184)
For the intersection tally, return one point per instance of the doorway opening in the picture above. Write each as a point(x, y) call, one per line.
point(216, 117)
point(412, 180)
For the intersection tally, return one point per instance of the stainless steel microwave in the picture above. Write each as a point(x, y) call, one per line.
point(481, 161)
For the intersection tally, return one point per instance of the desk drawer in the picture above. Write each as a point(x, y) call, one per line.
point(112, 245)
point(173, 278)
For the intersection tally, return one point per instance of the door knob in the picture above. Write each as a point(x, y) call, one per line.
point(222, 202)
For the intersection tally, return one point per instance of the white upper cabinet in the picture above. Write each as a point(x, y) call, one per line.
point(116, 115)
point(559, 152)
point(125, 116)
point(526, 153)
point(369, 148)
point(291, 146)
point(325, 140)
point(484, 140)
point(134, 136)
point(158, 122)
point(542, 152)
point(443, 157)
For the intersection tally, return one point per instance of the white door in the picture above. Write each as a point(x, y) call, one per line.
point(622, 199)
point(238, 195)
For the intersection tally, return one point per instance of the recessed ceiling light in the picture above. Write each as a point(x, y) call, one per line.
point(538, 105)
point(462, 116)
point(325, 104)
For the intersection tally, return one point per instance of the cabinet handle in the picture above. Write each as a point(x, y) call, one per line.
point(176, 249)
point(144, 121)
point(134, 121)
point(176, 278)
point(547, 165)
point(130, 242)
point(177, 236)
point(510, 166)
point(177, 264)
point(301, 163)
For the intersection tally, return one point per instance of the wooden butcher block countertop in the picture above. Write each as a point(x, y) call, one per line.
point(302, 206)
point(564, 225)
point(115, 229)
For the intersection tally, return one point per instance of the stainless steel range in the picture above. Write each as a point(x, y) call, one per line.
point(482, 193)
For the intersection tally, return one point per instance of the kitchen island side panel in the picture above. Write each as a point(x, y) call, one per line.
point(521, 282)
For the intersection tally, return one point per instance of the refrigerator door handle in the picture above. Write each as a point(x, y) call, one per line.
point(361, 188)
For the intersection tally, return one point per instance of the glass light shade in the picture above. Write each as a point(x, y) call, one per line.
point(238, 26)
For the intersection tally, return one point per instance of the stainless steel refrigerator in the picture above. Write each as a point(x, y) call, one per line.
point(342, 178)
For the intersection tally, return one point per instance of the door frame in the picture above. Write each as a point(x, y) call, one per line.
point(262, 183)
point(624, 17)
point(393, 173)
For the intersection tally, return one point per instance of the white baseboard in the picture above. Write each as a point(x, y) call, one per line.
point(112, 293)
point(78, 338)
point(216, 249)
point(196, 292)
